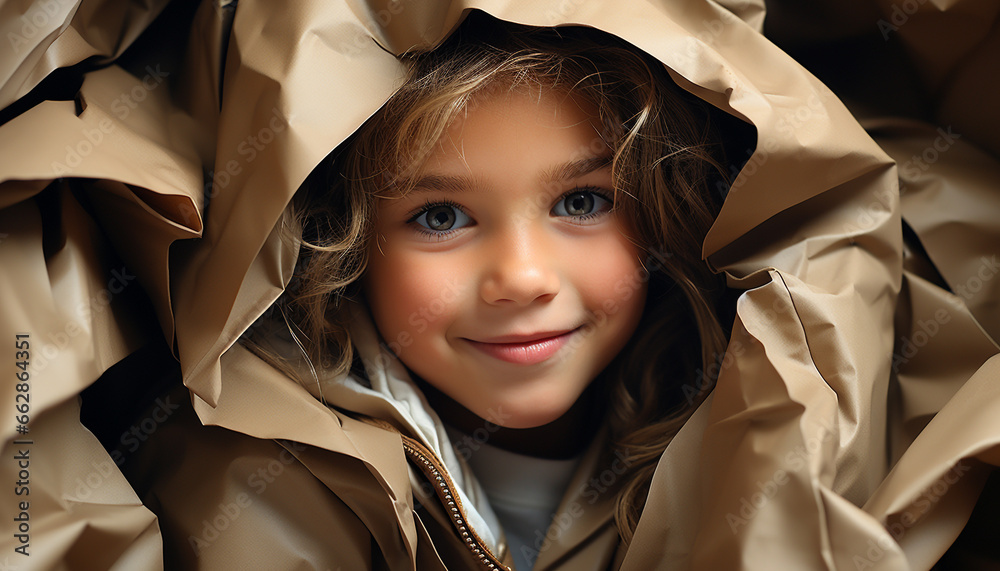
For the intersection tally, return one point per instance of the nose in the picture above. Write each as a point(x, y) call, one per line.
point(521, 269)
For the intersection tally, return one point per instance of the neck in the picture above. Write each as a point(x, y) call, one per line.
point(566, 437)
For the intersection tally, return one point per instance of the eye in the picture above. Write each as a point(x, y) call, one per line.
point(581, 203)
point(441, 217)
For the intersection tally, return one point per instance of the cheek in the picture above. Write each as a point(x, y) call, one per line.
point(408, 293)
point(611, 278)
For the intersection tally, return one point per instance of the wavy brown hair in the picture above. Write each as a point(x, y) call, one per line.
point(666, 162)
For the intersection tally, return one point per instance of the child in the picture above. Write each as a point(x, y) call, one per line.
point(523, 221)
point(493, 321)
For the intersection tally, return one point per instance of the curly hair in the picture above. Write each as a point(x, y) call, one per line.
point(667, 159)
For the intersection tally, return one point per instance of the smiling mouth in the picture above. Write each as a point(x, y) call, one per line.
point(524, 349)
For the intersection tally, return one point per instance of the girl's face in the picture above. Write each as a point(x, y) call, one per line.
point(504, 279)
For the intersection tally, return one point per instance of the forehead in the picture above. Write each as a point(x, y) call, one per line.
point(527, 125)
point(494, 126)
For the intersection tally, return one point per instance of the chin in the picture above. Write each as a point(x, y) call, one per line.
point(531, 415)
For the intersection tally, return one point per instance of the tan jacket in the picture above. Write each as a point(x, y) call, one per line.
point(362, 496)
point(854, 422)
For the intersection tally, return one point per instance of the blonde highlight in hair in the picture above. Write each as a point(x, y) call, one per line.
point(665, 161)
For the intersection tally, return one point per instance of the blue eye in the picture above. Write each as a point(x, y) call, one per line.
point(441, 218)
point(581, 203)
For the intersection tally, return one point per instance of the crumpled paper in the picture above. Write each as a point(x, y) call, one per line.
point(851, 426)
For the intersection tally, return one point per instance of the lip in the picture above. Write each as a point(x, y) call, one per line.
point(530, 349)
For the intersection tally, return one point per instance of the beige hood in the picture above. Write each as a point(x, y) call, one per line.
point(854, 420)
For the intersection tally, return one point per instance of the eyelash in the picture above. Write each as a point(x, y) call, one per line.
point(429, 204)
point(592, 190)
point(413, 215)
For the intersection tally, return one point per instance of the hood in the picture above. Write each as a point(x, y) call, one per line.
point(820, 428)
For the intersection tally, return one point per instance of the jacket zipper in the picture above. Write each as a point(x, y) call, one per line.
point(443, 486)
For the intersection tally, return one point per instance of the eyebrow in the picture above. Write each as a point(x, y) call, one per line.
point(443, 183)
point(576, 169)
point(567, 171)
